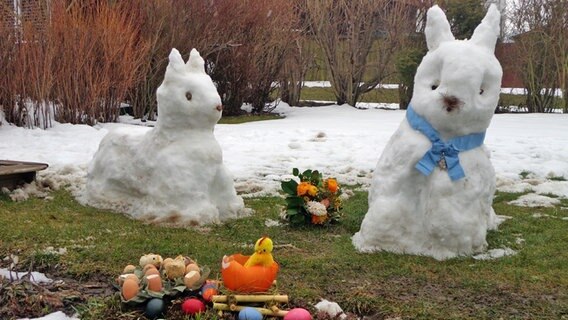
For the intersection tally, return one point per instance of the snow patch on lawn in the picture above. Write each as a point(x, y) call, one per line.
point(53, 316)
point(35, 277)
point(533, 200)
point(495, 254)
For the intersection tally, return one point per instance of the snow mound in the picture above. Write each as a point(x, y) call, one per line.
point(495, 254)
point(330, 308)
point(172, 173)
point(533, 200)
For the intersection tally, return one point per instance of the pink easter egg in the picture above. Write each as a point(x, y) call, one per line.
point(298, 314)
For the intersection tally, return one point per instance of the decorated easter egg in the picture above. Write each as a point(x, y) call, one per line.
point(298, 314)
point(129, 289)
point(208, 290)
point(154, 308)
point(154, 282)
point(192, 306)
point(249, 313)
point(191, 267)
point(129, 269)
point(191, 279)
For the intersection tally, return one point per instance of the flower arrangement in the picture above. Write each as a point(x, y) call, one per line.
point(313, 200)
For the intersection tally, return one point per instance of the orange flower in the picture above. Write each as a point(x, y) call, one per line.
point(303, 188)
point(318, 219)
point(313, 190)
point(332, 185)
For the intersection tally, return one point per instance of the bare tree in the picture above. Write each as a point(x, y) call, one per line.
point(251, 55)
point(270, 40)
point(349, 33)
point(300, 58)
point(559, 28)
point(541, 39)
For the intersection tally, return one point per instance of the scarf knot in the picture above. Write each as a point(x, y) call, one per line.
point(444, 154)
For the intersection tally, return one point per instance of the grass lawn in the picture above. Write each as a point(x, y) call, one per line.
point(315, 262)
point(248, 118)
point(391, 96)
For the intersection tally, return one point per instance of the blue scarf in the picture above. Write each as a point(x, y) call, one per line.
point(442, 154)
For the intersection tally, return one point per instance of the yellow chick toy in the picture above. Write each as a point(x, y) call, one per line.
point(262, 255)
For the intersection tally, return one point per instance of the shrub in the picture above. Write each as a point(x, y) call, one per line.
point(75, 65)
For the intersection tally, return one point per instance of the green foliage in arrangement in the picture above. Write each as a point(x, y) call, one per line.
point(313, 200)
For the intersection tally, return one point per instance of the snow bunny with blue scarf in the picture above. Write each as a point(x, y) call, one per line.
point(433, 186)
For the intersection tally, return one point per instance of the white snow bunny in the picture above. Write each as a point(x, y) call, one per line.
point(173, 173)
point(433, 186)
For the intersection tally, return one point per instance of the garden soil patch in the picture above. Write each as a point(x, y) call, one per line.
point(23, 298)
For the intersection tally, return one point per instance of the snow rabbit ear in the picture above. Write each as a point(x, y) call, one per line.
point(195, 62)
point(487, 32)
point(437, 28)
point(176, 63)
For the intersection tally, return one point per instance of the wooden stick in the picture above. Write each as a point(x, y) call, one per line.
point(250, 298)
point(263, 311)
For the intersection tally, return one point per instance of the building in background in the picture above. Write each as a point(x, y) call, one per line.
point(17, 13)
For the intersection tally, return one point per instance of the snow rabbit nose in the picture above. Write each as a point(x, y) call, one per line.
point(219, 107)
point(451, 102)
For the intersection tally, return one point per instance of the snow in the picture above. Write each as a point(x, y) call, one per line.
point(35, 277)
point(148, 171)
point(327, 84)
point(174, 172)
point(535, 200)
point(330, 308)
point(442, 213)
point(272, 223)
point(53, 316)
point(495, 254)
point(38, 278)
point(258, 156)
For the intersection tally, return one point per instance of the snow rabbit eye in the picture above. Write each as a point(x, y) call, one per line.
point(188, 96)
point(434, 87)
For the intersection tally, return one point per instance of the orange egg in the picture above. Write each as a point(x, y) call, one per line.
point(151, 271)
point(123, 277)
point(191, 279)
point(148, 266)
point(130, 289)
point(154, 282)
point(132, 276)
point(129, 269)
point(191, 267)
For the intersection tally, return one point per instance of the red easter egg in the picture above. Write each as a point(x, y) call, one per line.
point(192, 306)
point(298, 314)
